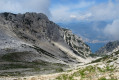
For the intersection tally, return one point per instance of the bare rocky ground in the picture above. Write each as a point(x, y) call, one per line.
point(95, 71)
point(104, 68)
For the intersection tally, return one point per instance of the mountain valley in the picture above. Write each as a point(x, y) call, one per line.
point(34, 48)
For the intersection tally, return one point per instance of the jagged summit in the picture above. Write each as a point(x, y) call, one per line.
point(34, 23)
point(33, 15)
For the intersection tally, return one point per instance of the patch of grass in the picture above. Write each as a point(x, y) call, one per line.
point(18, 65)
point(76, 74)
point(93, 55)
point(102, 78)
point(112, 78)
point(100, 69)
point(100, 59)
point(11, 74)
point(69, 70)
point(14, 57)
point(88, 72)
point(37, 69)
point(40, 62)
point(65, 77)
point(110, 68)
point(109, 61)
point(59, 64)
point(115, 58)
point(15, 66)
point(59, 70)
point(81, 72)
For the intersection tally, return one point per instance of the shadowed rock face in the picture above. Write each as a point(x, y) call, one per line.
point(36, 25)
point(35, 34)
point(109, 48)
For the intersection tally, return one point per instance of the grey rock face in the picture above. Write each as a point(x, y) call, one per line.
point(34, 33)
point(108, 48)
point(76, 43)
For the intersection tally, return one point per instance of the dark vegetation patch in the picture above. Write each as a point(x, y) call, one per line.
point(38, 49)
point(94, 55)
point(16, 73)
point(107, 58)
point(15, 56)
point(100, 59)
point(34, 66)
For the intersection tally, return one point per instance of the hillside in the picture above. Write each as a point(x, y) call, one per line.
point(104, 68)
point(30, 43)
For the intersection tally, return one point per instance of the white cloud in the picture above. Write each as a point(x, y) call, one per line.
point(98, 41)
point(112, 30)
point(67, 13)
point(105, 11)
point(85, 10)
point(72, 16)
point(22, 6)
point(93, 41)
point(83, 4)
point(60, 14)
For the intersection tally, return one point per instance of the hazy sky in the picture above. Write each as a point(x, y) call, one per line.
point(66, 11)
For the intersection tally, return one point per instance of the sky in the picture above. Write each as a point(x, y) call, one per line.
point(68, 11)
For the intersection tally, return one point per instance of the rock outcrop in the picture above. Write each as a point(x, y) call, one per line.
point(76, 43)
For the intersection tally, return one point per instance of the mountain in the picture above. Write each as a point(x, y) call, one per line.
point(87, 30)
point(95, 46)
point(31, 38)
point(109, 48)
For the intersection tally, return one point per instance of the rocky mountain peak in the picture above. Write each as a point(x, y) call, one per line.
point(28, 15)
point(35, 24)
point(41, 38)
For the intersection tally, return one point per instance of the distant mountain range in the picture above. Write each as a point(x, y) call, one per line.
point(90, 32)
